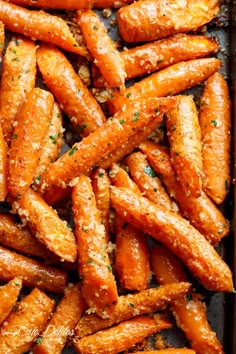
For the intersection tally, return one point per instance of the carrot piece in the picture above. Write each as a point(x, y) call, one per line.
point(46, 225)
point(75, 99)
point(189, 311)
point(170, 351)
point(18, 80)
point(25, 323)
point(32, 125)
point(201, 212)
point(158, 55)
point(39, 25)
point(2, 37)
point(94, 265)
point(170, 81)
point(118, 338)
point(157, 20)
point(56, 194)
point(33, 273)
point(215, 127)
point(3, 168)
point(105, 139)
point(8, 297)
point(132, 305)
point(146, 179)
point(184, 136)
point(176, 234)
point(62, 322)
point(55, 4)
point(131, 244)
point(103, 4)
point(102, 48)
point(101, 189)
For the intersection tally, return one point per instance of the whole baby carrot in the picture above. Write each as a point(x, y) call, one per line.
point(8, 297)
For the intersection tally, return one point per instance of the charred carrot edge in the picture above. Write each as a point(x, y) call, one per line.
point(67, 314)
point(189, 311)
point(170, 351)
point(169, 81)
point(3, 167)
point(2, 38)
point(117, 338)
point(102, 48)
point(132, 305)
point(151, 57)
point(184, 136)
point(158, 25)
point(101, 189)
point(55, 4)
point(215, 127)
point(46, 225)
point(24, 324)
point(94, 265)
point(29, 134)
point(176, 234)
point(114, 132)
point(8, 297)
point(18, 79)
point(77, 101)
point(33, 273)
point(201, 211)
point(39, 25)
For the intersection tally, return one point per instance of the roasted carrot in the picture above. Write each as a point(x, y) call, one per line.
point(158, 20)
point(215, 127)
point(102, 48)
point(25, 323)
point(18, 80)
point(103, 4)
point(94, 265)
point(158, 55)
point(3, 168)
point(169, 81)
point(132, 305)
point(55, 4)
point(75, 99)
point(8, 297)
point(33, 273)
point(62, 322)
point(56, 194)
point(120, 178)
point(105, 139)
point(176, 234)
point(118, 338)
point(170, 351)
point(189, 311)
point(46, 225)
point(29, 134)
point(201, 211)
point(184, 136)
point(39, 25)
point(2, 38)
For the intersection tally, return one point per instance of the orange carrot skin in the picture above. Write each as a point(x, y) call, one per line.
point(169, 81)
point(39, 25)
point(55, 4)
point(190, 312)
point(32, 125)
point(2, 37)
point(56, 194)
point(171, 351)
point(67, 314)
point(201, 211)
point(120, 178)
point(47, 226)
point(94, 265)
point(102, 48)
point(215, 126)
point(33, 273)
point(18, 80)
point(132, 305)
point(159, 20)
point(3, 167)
point(8, 297)
point(26, 322)
point(118, 338)
point(176, 234)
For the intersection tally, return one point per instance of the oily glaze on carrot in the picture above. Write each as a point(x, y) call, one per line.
point(39, 25)
point(2, 38)
point(8, 297)
point(215, 127)
point(189, 311)
point(147, 20)
point(94, 265)
point(55, 4)
point(17, 81)
point(25, 323)
point(201, 212)
point(3, 167)
point(107, 58)
point(170, 81)
point(103, 4)
point(176, 234)
point(73, 97)
point(170, 351)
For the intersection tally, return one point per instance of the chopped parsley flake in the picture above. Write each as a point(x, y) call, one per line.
point(149, 171)
point(73, 150)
